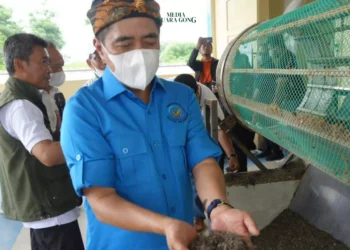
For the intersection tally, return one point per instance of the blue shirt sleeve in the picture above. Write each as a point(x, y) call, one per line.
point(89, 156)
point(200, 146)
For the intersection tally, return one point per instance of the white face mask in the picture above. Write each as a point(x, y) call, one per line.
point(98, 72)
point(57, 79)
point(135, 68)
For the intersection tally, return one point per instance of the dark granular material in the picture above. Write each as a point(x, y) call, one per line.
point(289, 231)
point(219, 241)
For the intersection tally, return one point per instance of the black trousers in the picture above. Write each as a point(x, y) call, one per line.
point(246, 137)
point(64, 237)
point(271, 147)
point(242, 159)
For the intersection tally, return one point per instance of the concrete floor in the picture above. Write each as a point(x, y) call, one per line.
point(13, 236)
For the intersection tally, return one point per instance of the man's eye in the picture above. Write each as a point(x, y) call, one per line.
point(124, 45)
point(151, 43)
point(150, 40)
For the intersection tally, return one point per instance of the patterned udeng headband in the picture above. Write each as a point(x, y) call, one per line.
point(104, 13)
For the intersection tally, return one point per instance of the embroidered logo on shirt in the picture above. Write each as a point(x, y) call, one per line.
point(176, 113)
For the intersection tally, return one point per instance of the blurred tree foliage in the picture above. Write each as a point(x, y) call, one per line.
point(7, 28)
point(175, 52)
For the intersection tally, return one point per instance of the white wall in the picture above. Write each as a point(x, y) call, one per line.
point(231, 18)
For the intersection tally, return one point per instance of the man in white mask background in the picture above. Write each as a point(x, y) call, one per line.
point(132, 142)
point(96, 65)
point(57, 79)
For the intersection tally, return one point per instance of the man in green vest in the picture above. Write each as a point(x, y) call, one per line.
point(35, 183)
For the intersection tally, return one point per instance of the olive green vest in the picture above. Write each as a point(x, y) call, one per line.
point(30, 190)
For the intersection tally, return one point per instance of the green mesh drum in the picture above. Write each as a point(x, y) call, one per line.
point(288, 80)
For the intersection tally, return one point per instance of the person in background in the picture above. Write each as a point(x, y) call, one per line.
point(97, 65)
point(57, 79)
point(264, 92)
point(242, 86)
point(290, 89)
point(202, 92)
point(36, 187)
point(264, 85)
point(134, 166)
point(205, 69)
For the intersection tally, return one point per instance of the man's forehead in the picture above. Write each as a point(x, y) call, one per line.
point(40, 51)
point(132, 27)
point(55, 56)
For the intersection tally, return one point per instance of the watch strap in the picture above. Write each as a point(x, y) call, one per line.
point(232, 155)
point(216, 203)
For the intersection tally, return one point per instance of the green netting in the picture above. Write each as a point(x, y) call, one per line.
point(288, 79)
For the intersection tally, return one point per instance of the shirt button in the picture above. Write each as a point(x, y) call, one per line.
point(173, 210)
point(125, 150)
point(156, 144)
point(164, 177)
point(78, 157)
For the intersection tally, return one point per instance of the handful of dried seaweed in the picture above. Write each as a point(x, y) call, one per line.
point(219, 241)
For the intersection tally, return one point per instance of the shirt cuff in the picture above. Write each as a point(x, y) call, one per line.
point(92, 173)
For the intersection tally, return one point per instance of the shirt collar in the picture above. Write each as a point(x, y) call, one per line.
point(112, 87)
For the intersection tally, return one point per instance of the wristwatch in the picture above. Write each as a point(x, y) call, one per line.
point(216, 203)
point(232, 155)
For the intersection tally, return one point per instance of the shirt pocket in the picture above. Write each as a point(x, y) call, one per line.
point(177, 152)
point(132, 166)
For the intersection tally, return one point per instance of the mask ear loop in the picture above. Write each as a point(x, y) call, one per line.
point(104, 48)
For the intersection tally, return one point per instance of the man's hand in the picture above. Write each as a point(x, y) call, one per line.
point(233, 164)
point(200, 43)
point(226, 219)
point(179, 235)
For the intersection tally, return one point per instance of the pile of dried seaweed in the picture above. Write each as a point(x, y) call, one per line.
point(289, 231)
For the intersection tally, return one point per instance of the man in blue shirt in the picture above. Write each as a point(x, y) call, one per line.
point(132, 141)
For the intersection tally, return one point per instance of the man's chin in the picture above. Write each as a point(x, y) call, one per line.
point(45, 85)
